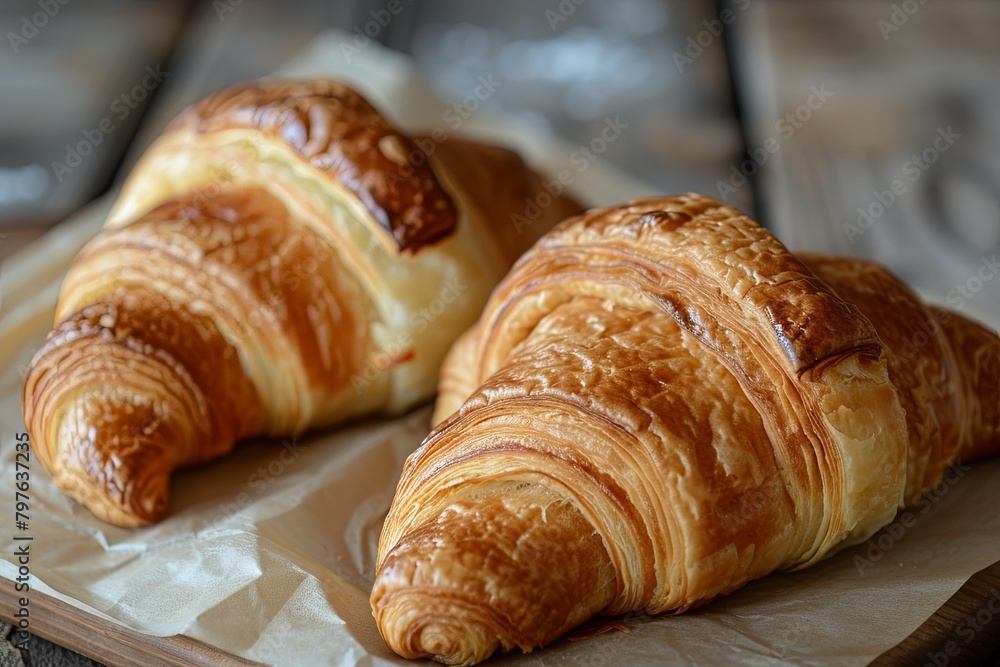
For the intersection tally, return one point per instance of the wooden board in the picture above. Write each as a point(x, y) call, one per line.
point(111, 643)
point(965, 630)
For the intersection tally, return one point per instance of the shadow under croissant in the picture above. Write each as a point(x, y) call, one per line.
point(261, 466)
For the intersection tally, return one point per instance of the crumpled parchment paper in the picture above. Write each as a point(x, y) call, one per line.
point(269, 553)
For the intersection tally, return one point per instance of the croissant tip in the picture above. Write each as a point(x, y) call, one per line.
point(441, 639)
point(417, 622)
point(515, 568)
point(139, 509)
point(441, 644)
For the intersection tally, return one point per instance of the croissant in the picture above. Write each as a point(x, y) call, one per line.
point(281, 258)
point(659, 404)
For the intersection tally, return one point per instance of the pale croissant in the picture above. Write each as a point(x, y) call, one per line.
point(659, 404)
point(281, 258)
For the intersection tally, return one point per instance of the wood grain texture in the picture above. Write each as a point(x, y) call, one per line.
point(965, 630)
point(109, 643)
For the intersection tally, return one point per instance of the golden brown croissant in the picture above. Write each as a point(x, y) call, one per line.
point(659, 404)
point(281, 258)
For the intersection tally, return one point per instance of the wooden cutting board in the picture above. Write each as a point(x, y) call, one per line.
point(965, 630)
point(110, 643)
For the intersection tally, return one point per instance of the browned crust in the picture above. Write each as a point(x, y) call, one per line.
point(118, 458)
point(151, 383)
point(920, 362)
point(944, 367)
point(693, 389)
point(338, 132)
point(503, 593)
point(977, 351)
point(714, 407)
point(290, 275)
point(682, 252)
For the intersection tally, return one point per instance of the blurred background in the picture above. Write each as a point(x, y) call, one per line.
point(861, 127)
point(858, 127)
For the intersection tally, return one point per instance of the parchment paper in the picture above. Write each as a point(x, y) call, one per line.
point(269, 553)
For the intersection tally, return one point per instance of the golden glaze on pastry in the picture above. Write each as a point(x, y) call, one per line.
point(659, 404)
point(267, 268)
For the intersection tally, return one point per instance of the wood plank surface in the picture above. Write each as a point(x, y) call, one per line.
point(110, 643)
point(965, 630)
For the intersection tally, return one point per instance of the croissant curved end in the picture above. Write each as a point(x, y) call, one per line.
point(115, 406)
point(515, 567)
point(424, 632)
point(125, 481)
